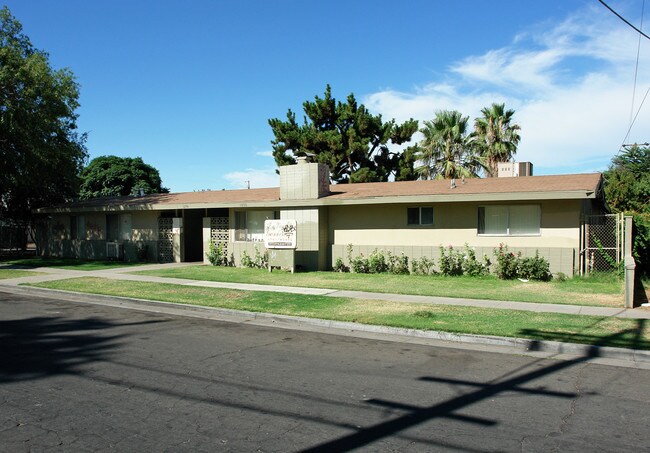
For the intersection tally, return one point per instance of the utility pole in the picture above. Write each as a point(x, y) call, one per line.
point(632, 145)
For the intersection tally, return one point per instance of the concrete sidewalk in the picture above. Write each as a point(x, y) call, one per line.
point(125, 273)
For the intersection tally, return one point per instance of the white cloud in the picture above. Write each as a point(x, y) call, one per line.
point(511, 68)
point(264, 153)
point(426, 101)
point(592, 32)
point(258, 178)
point(576, 124)
point(570, 84)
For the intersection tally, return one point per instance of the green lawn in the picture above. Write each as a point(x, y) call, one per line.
point(602, 290)
point(508, 323)
point(68, 263)
point(15, 273)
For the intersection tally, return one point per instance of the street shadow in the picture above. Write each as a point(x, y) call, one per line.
point(481, 391)
point(416, 415)
point(39, 347)
point(631, 338)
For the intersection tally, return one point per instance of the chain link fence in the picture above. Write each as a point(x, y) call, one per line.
point(602, 243)
point(13, 235)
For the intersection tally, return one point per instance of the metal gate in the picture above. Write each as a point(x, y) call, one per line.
point(601, 243)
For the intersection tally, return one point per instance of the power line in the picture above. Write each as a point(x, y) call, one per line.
point(637, 114)
point(623, 19)
point(636, 68)
point(632, 119)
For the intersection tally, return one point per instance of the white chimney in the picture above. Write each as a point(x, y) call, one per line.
point(514, 169)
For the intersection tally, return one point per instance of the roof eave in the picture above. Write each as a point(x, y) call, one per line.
point(334, 201)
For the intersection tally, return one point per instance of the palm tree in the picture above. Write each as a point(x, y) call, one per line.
point(495, 136)
point(446, 152)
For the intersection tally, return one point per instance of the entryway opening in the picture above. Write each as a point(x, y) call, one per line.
point(193, 234)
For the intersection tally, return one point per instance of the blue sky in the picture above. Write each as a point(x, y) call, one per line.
point(189, 85)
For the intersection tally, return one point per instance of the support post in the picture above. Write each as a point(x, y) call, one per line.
point(630, 265)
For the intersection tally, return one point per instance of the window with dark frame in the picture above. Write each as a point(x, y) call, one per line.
point(422, 215)
point(112, 227)
point(73, 227)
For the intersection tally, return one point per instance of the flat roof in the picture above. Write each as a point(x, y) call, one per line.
point(553, 187)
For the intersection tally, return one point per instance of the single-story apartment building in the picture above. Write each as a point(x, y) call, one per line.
point(528, 213)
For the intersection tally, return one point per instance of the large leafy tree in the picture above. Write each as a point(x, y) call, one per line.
point(41, 152)
point(627, 181)
point(355, 144)
point(627, 189)
point(108, 176)
point(496, 136)
point(446, 150)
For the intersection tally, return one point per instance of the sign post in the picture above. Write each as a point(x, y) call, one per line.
point(280, 238)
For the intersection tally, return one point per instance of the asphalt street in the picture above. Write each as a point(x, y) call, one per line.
point(80, 377)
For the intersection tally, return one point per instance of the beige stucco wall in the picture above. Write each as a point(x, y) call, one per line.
point(95, 226)
point(91, 243)
point(205, 237)
point(237, 248)
point(454, 224)
point(324, 255)
point(561, 259)
point(312, 247)
point(144, 228)
point(324, 232)
point(385, 228)
point(59, 227)
point(144, 225)
point(307, 236)
point(135, 227)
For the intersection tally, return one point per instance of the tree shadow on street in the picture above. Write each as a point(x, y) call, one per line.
point(39, 347)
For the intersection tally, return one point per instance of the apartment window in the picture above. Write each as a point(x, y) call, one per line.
point(514, 220)
point(419, 216)
point(112, 227)
point(249, 225)
point(73, 227)
point(77, 227)
point(240, 225)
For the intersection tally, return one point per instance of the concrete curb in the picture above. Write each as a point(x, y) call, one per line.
point(499, 344)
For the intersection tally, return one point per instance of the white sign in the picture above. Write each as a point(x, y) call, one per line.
point(280, 234)
point(177, 225)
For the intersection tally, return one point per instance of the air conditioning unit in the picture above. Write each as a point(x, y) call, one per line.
point(114, 250)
